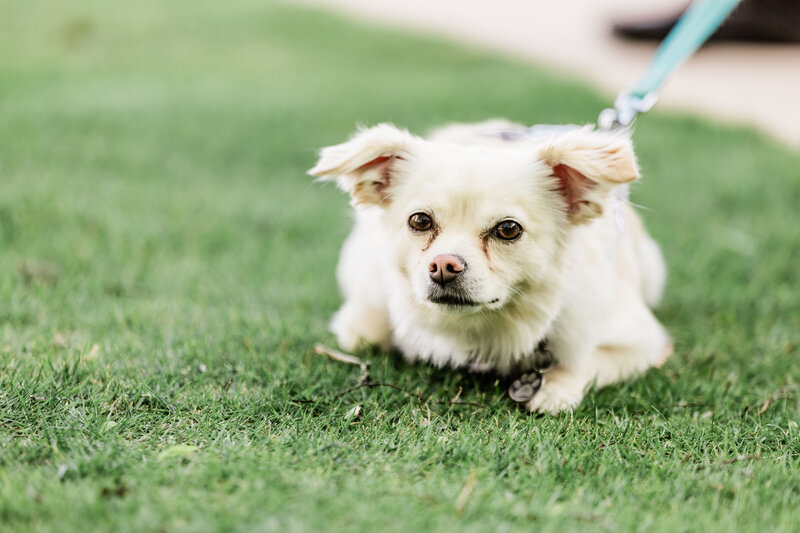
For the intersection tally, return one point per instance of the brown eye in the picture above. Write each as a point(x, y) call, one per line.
point(508, 230)
point(420, 222)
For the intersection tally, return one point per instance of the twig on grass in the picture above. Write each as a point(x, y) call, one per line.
point(345, 358)
point(364, 381)
point(421, 398)
point(780, 394)
point(732, 460)
point(372, 384)
point(458, 402)
point(765, 406)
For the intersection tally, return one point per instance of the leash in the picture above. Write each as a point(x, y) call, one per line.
point(693, 29)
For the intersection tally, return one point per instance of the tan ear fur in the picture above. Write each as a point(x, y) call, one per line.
point(363, 166)
point(588, 165)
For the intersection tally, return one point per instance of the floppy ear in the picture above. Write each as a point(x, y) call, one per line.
point(364, 166)
point(587, 166)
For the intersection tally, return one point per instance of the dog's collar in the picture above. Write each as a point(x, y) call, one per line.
point(530, 381)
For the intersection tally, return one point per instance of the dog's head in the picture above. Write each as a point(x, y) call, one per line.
point(470, 228)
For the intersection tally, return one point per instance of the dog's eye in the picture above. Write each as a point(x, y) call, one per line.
point(508, 230)
point(420, 222)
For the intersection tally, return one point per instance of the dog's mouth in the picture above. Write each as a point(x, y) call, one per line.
point(458, 301)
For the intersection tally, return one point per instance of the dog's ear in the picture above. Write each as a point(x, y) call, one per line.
point(587, 165)
point(365, 165)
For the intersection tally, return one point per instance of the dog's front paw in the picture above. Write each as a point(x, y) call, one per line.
point(523, 388)
point(559, 392)
point(358, 326)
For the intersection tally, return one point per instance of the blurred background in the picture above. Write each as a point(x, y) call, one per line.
point(748, 79)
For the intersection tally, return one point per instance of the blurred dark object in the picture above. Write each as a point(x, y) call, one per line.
point(775, 21)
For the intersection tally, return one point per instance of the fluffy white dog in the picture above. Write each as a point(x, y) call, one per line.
point(470, 251)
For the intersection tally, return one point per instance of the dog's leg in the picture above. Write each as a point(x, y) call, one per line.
point(563, 389)
point(357, 324)
point(653, 269)
point(633, 340)
point(630, 341)
point(565, 384)
point(363, 319)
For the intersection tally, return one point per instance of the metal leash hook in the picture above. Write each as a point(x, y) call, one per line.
point(626, 107)
point(696, 25)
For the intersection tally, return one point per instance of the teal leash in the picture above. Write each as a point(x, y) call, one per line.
point(693, 29)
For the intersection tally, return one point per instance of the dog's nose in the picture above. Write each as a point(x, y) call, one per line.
point(445, 268)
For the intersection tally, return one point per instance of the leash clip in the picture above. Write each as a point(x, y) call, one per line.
point(625, 109)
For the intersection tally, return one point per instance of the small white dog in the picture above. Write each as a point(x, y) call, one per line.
point(470, 251)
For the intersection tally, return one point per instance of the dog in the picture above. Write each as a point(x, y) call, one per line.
point(471, 250)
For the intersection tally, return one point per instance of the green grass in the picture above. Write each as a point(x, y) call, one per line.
point(155, 217)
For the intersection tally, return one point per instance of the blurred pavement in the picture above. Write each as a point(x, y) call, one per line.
point(756, 84)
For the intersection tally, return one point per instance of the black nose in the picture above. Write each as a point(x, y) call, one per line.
point(445, 268)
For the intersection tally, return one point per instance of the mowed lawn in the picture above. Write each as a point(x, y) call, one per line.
point(166, 268)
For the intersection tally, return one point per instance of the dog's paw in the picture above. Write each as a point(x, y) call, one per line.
point(523, 388)
point(349, 341)
point(352, 342)
point(669, 349)
point(558, 393)
point(358, 326)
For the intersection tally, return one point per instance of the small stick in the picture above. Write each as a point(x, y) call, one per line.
point(732, 460)
point(754, 457)
point(345, 358)
point(364, 381)
point(765, 406)
point(338, 356)
point(371, 384)
point(418, 396)
point(466, 490)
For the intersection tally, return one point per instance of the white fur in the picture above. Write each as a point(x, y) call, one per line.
point(571, 277)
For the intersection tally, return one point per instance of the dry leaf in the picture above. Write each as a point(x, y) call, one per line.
point(353, 413)
point(93, 353)
point(466, 490)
